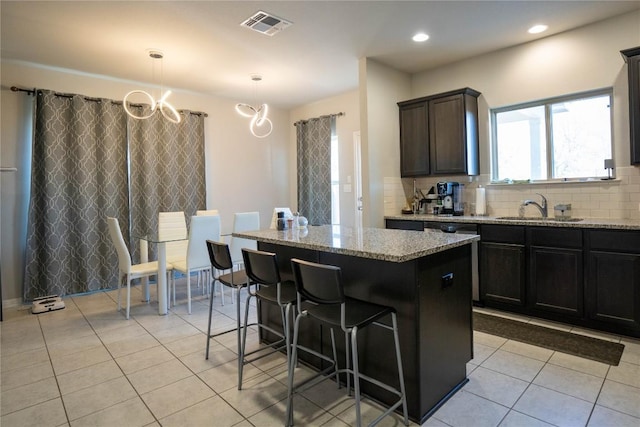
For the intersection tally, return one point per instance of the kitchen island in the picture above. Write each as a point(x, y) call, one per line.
point(426, 277)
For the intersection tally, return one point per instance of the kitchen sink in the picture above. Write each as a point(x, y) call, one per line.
point(534, 218)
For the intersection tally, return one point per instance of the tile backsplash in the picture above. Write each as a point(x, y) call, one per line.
point(618, 199)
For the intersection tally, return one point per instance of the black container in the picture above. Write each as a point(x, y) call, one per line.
point(281, 223)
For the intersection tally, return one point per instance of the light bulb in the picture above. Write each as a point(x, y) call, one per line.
point(420, 37)
point(537, 29)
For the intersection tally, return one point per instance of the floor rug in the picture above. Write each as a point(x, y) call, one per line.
point(553, 339)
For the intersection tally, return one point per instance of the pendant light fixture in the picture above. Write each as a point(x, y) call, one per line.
point(162, 105)
point(260, 125)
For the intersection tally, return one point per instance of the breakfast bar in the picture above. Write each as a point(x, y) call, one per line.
point(426, 277)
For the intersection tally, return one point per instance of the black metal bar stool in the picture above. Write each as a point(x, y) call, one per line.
point(220, 258)
point(321, 296)
point(266, 286)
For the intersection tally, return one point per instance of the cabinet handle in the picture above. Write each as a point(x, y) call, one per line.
point(447, 280)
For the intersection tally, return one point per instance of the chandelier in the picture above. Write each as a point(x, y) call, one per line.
point(161, 105)
point(260, 126)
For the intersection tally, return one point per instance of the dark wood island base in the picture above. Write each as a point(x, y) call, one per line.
point(432, 296)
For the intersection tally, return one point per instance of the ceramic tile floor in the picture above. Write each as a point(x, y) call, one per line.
point(87, 366)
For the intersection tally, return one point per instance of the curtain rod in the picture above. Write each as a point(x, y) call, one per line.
point(321, 117)
point(19, 89)
point(87, 98)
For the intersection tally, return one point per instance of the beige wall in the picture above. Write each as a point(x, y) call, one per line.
point(575, 61)
point(345, 127)
point(382, 88)
point(243, 173)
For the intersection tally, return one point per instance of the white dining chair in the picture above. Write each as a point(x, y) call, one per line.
point(207, 212)
point(242, 221)
point(126, 268)
point(202, 228)
point(173, 226)
point(208, 273)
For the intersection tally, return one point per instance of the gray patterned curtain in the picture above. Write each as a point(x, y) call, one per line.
point(90, 160)
point(167, 170)
point(78, 176)
point(314, 168)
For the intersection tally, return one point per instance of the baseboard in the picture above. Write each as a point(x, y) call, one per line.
point(8, 303)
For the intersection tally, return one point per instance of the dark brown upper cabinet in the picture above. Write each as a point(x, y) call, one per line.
point(632, 58)
point(439, 134)
point(414, 139)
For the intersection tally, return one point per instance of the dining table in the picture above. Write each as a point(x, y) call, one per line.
point(161, 245)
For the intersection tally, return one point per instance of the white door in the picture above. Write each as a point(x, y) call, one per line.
point(357, 181)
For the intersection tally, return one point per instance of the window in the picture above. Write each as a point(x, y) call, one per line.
point(561, 138)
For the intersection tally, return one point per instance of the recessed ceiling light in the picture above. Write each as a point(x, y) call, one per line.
point(420, 37)
point(538, 29)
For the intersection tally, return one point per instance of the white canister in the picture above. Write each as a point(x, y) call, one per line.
point(481, 201)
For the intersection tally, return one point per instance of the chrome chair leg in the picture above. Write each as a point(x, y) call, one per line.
point(209, 326)
point(396, 338)
point(240, 352)
point(292, 367)
point(356, 373)
point(335, 356)
point(348, 363)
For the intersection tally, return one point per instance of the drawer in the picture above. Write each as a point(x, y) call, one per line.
point(404, 225)
point(502, 233)
point(615, 241)
point(555, 237)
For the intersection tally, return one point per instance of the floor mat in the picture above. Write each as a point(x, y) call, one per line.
point(553, 339)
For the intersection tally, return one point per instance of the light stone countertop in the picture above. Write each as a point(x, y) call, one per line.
point(594, 223)
point(374, 243)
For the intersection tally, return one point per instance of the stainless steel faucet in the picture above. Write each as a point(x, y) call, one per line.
point(542, 208)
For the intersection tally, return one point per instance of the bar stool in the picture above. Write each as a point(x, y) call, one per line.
point(266, 286)
point(321, 288)
point(220, 258)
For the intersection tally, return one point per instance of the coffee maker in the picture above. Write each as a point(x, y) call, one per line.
point(450, 198)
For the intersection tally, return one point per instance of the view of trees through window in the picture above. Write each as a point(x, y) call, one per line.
point(566, 137)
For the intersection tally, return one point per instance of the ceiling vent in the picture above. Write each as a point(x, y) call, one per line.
point(265, 23)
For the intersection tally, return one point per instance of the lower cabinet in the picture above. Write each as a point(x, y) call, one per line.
point(556, 271)
point(585, 277)
point(502, 264)
point(613, 281)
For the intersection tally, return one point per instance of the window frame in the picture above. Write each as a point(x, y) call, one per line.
point(547, 103)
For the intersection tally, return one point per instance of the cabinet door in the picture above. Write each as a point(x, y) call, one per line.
point(634, 107)
point(414, 140)
point(447, 135)
point(502, 277)
point(632, 57)
point(555, 280)
point(613, 288)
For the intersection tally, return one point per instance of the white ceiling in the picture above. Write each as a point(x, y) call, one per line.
point(207, 51)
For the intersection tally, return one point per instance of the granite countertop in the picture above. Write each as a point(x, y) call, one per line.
point(601, 223)
point(375, 243)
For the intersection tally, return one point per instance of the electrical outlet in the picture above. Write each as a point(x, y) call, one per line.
point(639, 206)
